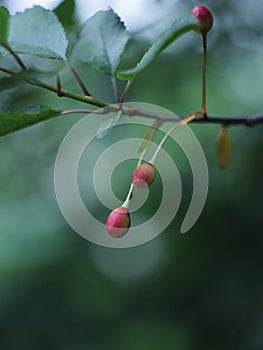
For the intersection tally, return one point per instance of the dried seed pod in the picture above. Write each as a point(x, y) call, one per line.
point(224, 148)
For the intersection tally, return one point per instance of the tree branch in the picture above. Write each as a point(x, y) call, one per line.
point(131, 112)
point(61, 93)
point(227, 121)
point(162, 118)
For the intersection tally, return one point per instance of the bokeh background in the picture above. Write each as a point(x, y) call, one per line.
point(201, 290)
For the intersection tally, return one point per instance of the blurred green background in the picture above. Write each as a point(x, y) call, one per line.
point(202, 290)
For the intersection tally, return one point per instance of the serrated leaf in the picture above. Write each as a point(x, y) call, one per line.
point(107, 125)
point(65, 13)
point(4, 24)
point(102, 41)
point(224, 148)
point(23, 76)
point(178, 28)
point(12, 121)
point(37, 31)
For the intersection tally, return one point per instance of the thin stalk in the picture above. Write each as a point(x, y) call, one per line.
point(69, 94)
point(115, 89)
point(59, 90)
point(84, 111)
point(79, 81)
point(6, 70)
point(204, 44)
point(181, 122)
point(125, 91)
point(16, 57)
point(86, 99)
point(126, 203)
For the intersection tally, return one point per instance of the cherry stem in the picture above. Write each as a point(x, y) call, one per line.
point(126, 203)
point(179, 123)
point(204, 44)
point(115, 89)
point(79, 81)
point(125, 91)
point(59, 90)
point(7, 70)
point(16, 57)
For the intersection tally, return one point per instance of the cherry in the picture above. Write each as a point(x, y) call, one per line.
point(118, 222)
point(143, 175)
point(204, 17)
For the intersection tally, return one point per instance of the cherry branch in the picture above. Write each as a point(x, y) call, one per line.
point(57, 89)
point(162, 118)
point(129, 111)
point(229, 121)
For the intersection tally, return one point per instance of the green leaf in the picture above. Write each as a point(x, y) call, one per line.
point(66, 12)
point(9, 83)
point(37, 31)
point(107, 125)
point(224, 148)
point(178, 28)
point(4, 24)
point(23, 76)
point(12, 121)
point(102, 41)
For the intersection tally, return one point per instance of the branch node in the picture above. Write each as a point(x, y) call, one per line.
point(60, 92)
point(250, 122)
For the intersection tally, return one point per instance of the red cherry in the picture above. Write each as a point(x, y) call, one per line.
point(118, 222)
point(204, 17)
point(143, 175)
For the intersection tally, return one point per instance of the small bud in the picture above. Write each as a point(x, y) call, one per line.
point(223, 148)
point(204, 17)
point(118, 222)
point(143, 175)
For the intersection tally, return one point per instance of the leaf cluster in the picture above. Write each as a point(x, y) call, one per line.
point(100, 42)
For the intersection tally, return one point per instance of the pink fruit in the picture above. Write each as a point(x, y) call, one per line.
point(143, 175)
point(204, 17)
point(118, 222)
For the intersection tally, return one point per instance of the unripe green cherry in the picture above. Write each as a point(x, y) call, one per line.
point(204, 17)
point(143, 175)
point(118, 222)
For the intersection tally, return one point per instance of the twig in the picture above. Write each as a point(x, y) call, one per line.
point(179, 123)
point(16, 57)
point(61, 93)
point(125, 91)
point(129, 111)
point(7, 70)
point(79, 81)
point(227, 121)
point(162, 118)
point(115, 89)
point(204, 45)
point(85, 111)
